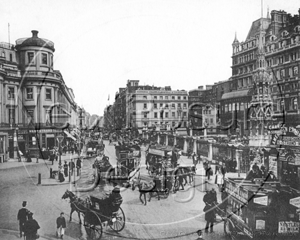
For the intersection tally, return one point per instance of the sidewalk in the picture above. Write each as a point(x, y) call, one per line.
point(7, 234)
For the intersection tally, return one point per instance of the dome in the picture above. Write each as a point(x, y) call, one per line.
point(35, 41)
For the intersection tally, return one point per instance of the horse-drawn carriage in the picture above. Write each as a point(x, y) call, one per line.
point(97, 211)
point(259, 210)
point(128, 158)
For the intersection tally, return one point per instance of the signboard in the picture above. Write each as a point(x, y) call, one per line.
point(288, 227)
point(295, 202)
point(261, 200)
point(237, 192)
point(273, 165)
point(60, 138)
point(157, 152)
point(260, 224)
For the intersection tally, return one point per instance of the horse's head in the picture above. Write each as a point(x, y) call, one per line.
point(67, 194)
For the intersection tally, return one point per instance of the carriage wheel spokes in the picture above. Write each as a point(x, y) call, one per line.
point(117, 221)
point(93, 226)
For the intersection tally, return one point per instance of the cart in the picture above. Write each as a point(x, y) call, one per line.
point(260, 210)
point(100, 211)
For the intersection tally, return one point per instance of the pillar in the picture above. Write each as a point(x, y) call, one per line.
point(185, 146)
point(237, 157)
point(175, 141)
point(195, 146)
point(210, 152)
point(158, 138)
point(167, 140)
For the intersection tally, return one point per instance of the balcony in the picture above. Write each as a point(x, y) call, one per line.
point(41, 73)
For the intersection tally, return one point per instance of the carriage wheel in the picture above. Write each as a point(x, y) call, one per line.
point(93, 226)
point(229, 230)
point(117, 221)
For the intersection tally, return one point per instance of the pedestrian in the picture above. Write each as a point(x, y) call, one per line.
point(264, 171)
point(71, 167)
point(143, 189)
point(61, 225)
point(78, 164)
point(210, 215)
point(208, 170)
point(66, 169)
point(22, 217)
point(223, 170)
point(156, 188)
point(31, 227)
point(219, 176)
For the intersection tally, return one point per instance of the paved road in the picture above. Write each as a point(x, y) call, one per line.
point(177, 217)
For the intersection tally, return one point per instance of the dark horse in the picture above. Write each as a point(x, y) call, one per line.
point(76, 203)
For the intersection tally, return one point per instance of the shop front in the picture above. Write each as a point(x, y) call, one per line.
point(286, 140)
point(3, 146)
point(180, 142)
point(203, 148)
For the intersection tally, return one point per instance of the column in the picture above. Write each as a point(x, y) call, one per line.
point(185, 145)
point(167, 140)
point(175, 141)
point(195, 146)
point(210, 152)
point(158, 138)
point(238, 161)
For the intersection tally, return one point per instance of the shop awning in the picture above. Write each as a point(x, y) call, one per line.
point(70, 135)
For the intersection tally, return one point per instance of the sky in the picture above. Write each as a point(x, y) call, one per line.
point(100, 44)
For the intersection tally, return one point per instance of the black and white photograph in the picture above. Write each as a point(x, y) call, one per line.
point(149, 119)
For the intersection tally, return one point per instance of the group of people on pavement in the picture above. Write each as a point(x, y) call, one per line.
point(260, 172)
point(29, 227)
point(69, 168)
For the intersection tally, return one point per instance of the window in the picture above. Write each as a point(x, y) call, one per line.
point(167, 115)
point(11, 93)
point(173, 114)
point(166, 97)
point(211, 120)
point(161, 97)
point(184, 114)
point(161, 105)
point(29, 93)
point(145, 105)
point(11, 116)
point(184, 105)
point(155, 97)
point(179, 105)
point(155, 105)
point(229, 107)
point(10, 57)
point(226, 108)
point(144, 97)
point(145, 115)
point(173, 105)
point(167, 105)
point(184, 98)
point(155, 115)
point(173, 97)
point(294, 104)
point(44, 58)
point(30, 56)
point(173, 124)
point(29, 115)
point(48, 94)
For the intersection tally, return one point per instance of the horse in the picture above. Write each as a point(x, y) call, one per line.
point(76, 204)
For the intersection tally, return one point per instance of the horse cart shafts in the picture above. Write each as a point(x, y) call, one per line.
point(98, 211)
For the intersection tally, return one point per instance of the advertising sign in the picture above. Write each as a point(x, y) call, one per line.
point(295, 202)
point(273, 165)
point(157, 152)
point(288, 227)
point(260, 224)
point(261, 200)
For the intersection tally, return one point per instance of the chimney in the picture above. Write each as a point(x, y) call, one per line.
point(34, 33)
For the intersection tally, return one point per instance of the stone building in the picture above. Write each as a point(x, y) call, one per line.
point(36, 103)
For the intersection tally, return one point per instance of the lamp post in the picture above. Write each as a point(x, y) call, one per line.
point(16, 148)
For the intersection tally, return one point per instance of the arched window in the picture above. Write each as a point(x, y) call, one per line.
point(282, 105)
point(229, 107)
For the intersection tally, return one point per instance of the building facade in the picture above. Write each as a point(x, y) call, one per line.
point(36, 104)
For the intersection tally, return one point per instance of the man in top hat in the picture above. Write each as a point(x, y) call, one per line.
point(23, 217)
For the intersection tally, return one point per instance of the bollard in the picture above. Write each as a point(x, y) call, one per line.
point(37, 160)
point(51, 173)
point(69, 176)
point(39, 178)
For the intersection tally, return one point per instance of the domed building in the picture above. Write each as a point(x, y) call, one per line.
point(39, 105)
